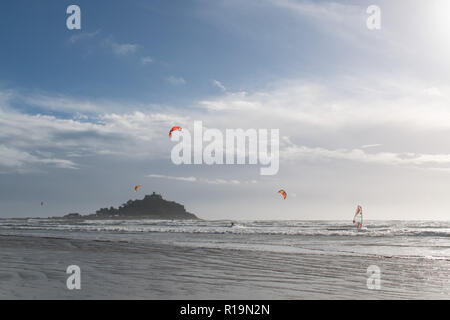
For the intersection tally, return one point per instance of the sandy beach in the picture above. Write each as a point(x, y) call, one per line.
point(182, 266)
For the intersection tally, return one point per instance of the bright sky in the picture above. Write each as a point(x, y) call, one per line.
point(364, 115)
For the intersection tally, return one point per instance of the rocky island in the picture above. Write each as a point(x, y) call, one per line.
point(151, 207)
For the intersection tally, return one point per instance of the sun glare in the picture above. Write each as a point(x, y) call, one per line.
point(441, 21)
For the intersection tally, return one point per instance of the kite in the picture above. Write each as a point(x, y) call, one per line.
point(136, 188)
point(283, 193)
point(174, 129)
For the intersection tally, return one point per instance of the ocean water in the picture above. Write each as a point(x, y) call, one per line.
point(227, 259)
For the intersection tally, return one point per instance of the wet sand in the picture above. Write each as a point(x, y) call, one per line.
point(34, 267)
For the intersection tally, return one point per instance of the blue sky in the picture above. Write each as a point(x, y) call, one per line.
point(245, 44)
point(84, 114)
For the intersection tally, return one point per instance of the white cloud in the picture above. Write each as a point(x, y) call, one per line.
point(22, 161)
point(351, 102)
point(433, 91)
point(365, 146)
point(427, 161)
point(221, 181)
point(29, 141)
point(146, 60)
point(188, 179)
point(81, 108)
point(175, 80)
point(83, 36)
point(346, 21)
point(328, 115)
point(217, 181)
point(219, 85)
point(120, 49)
point(59, 103)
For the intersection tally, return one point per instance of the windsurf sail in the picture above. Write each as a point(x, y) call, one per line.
point(358, 218)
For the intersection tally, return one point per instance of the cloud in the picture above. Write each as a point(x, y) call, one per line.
point(58, 103)
point(350, 102)
point(346, 21)
point(79, 107)
point(324, 10)
point(221, 181)
point(219, 85)
point(188, 179)
point(31, 140)
point(175, 80)
point(22, 161)
point(146, 60)
point(425, 161)
point(433, 91)
point(120, 49)
point(83, 36)
point(217, 181)
point(365, 146)
point(317, 117)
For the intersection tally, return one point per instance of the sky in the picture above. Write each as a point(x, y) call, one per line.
point(363, 114)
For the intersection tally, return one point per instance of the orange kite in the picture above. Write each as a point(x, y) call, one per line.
point(283, 193)
point(174, 129)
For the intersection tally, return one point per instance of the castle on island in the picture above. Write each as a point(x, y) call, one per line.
point(153, 206)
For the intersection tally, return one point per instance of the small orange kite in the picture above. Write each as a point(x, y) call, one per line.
point(283, 193)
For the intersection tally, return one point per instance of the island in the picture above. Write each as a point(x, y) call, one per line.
point(151, 207)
